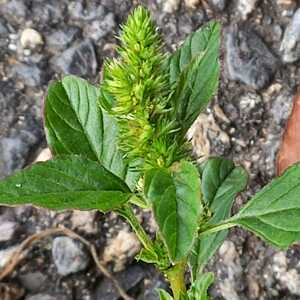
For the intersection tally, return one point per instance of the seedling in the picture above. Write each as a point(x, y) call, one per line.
point(123, 144)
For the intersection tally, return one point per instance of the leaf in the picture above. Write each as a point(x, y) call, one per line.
point(163, 295)
point(273, 213)
point(70, 182)
point(176, 200)
point(289, 151)
point(75, 124)
point(221, 182)
point(199, 288)
point(194, 70)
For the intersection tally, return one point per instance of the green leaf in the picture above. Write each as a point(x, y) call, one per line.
point(163, 295)
point(194, 70)
point(221, 182)
point(70, 182)
point(176, 200)
point(75, 124)
point(199, 288)
point(156, 256)
point(273, 213)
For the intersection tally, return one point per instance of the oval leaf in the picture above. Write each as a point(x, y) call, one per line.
point(273, 213)
point(75, 124)
point(221, 182)
point(194, 70)
point(71, 182)
point(176, 201)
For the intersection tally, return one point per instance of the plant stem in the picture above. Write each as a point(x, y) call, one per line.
point(175, 276)
point(127, 213)
point(216, 228)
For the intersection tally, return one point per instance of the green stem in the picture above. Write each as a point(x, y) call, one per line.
point(175, 276)
point(216, 228)
point(127, 213)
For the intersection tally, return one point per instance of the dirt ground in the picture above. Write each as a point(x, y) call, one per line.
point(260, 74)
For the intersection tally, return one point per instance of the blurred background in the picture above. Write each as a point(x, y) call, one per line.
point(41, 40)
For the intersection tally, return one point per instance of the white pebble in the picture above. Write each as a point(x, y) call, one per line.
point(30, 38)
point(12, 47)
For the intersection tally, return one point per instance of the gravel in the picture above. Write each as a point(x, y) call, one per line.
point(218, 4)
point(128, 278)
point(30, 73)
point(46, 297)
point(248, 58)
point(260, 74)
point(290, 45)
point(69, 256)
point(245, 7)
point(8, 229)
point(78, 60)
point(61, 39)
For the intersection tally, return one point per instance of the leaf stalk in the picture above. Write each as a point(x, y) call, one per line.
point(175, 276)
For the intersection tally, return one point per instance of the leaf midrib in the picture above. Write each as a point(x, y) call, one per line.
point(72, 104)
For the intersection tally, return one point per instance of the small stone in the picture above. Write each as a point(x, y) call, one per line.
point(290, 45)
point(7, 229)
point(33, 281)
point(170, 6)
point(84, 221)
point(46, 297)
point(29, 73)
point(61, 39)
point(208, 138)
point(69, 256)
point(128, 279)
point(27, 52)
point(248, 59)
point(78, 60)
point(232, 270)
point(30, 38)
point(218, 4)
point(192, 4)
point(3, 37)
point(281, 107)
point(98, 29)
point(290, 279)
point(10, 149)
point(13, 10)
point(151, 284)
point(3, 29)
point(48, 12)
point(44, 155)
point(245, 7)
point(6, 255)
point(125, 245)
point(12, 47)
point(86, 13)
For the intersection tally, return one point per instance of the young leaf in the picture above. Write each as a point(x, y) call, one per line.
point(273, 213)
point(194, 69)
point(198, 290)
point(176, 201)
point(221, 181)
point(163, 295)
point(75, 124)
point(70, 182)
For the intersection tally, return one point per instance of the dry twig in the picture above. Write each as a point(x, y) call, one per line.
point(19, 254)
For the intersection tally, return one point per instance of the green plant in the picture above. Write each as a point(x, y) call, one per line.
point(123, 144)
